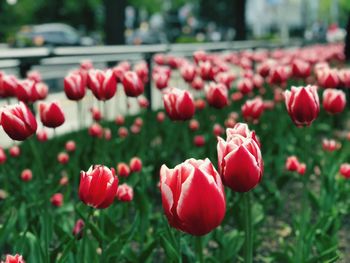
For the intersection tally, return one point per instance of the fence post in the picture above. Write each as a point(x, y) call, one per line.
point(148, 87)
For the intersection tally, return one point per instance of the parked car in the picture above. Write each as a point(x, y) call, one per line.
point(53, 34)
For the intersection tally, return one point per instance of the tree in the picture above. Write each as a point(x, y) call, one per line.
point(114, 21)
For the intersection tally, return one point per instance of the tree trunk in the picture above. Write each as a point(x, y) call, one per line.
point(114, 21)
point(239, 19)
point(347, 41)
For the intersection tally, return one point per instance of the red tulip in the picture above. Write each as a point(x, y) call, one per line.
point(51, 114)
point(292, 163)
point(133, 85)
point(161, 80)
point(301, 169)
point(143, 102)
point(330, 145)
point(86, 64)
point(102, 84)
point(179, 104)
point(26, 91)
point(240, 161)
point(74, 86)
point(98, 186)
point(70, 146)
point(225, 78)
point(34, 76)
point(278, 75)
point(188, 72)
point(197, 83)
point(200, 104)
point(301, 69)
point(328, 78)
point(206, 70)
point(15, 151)
point(245, 86)
point(193, 196)
point(18, 121)
point(135, 165)
point(344, 170)
point(252, 109)
point(344, 77)
point(334, 101)
point(3, 156)
point(125, 193)
point(123, 170)
point(302, 104)
point(200, 56)
point(63, 158)
point(13, 259)
point(216, 95)
point(141, 69)
point(64, 181)
point(26, 175)
point(8, 86)
point(95, 130)
point(258, 82)
point(78, 229)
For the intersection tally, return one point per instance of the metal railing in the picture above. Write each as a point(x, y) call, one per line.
point(54, 63)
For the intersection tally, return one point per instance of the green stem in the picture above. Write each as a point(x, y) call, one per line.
point(248, 227)
point(199, 249)
point(180, 251)
point(86, 227)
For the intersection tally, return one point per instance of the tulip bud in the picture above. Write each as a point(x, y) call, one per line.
point(15, 151)
point(239, 160)
point(78, 229)
point(18, 121)
point(344, 170)
point(107, 134)
point(96, 114)
point(292, 163)
point(98, 186)
point(34, 76)
point(95, 130)
point(179, 104)
point(143, 102)
point(51, 114)
point(216, 95)
point(102, 84)
point(193, 196)
point(123, 170)
point(161, 80)
point(334, 101)
point(125, 193)
point(63, 158)
point(218, 129)
point(64, 180)
point(3, 156)
point(328, 78)
point(26, 175)
point(301, 69)
point(13, 259)
point(135, 165)
point(199, 140)
point(160, 116)
point(141, 69)
point(57, 200)
point(119, 120)
point(302, 104)
point(252, 109)
point(225, 78)
point(123, 132)
point(193, 125)
point(74, 86)
point(133, 85)
point(200, 104)
point(301, 169)
point(278, 75)
point(70, 146)
point(41, 135)
point(206, 70)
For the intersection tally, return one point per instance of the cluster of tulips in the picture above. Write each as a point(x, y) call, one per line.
point(192, 193)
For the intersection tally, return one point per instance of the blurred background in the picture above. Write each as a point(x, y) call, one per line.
point(25, 23)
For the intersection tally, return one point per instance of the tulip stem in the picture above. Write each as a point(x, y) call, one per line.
point(199, 248)
point(248, 251)
point(80, 117)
